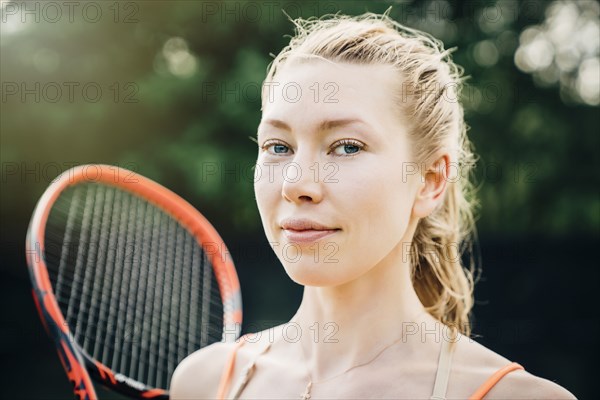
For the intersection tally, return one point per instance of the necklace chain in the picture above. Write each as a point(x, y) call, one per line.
point(306, 395)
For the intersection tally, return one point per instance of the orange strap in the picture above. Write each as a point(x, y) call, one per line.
point(228, 371)
point(489, 384)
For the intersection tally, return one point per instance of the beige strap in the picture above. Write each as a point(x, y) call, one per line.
point(443, 371)
point(247, 374)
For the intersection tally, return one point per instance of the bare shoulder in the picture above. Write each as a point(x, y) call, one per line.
point(474, 364)
point(197, 376)
point(524, 385)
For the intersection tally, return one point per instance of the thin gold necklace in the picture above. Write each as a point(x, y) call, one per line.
point(306, 395)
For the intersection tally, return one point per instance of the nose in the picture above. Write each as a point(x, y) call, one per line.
point(301, 183)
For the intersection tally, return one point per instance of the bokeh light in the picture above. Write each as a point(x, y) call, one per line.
point(564, 49)
point(180, 61)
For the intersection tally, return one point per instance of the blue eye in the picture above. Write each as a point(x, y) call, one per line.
point(279, 149)
point(347, 147)
point(350, 148)
point(275, 148)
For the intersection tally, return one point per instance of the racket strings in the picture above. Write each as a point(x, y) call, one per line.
point(137, 291)
point(123, 252)
point(68, 286)
point(210, 299)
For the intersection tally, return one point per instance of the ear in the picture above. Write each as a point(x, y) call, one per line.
point(430, 192)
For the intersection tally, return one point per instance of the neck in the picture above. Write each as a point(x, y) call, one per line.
point(349, 325)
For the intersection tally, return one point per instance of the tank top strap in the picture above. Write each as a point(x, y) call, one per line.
point(443, 370)
point(228, 370)
point(494, 379)
point(227, 375)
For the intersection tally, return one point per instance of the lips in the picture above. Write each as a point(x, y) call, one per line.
point(302, 230)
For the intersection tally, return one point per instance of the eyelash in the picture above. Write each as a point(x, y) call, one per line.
point(348, 142)
point(341, 142)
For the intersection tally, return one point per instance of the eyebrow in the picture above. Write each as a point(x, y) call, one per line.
point(323, 126)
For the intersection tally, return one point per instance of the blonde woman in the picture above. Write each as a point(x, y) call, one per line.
point(362, 187)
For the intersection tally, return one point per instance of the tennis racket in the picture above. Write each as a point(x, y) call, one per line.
point(128, 279)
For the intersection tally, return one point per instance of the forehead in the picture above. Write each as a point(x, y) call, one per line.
point(313, 90)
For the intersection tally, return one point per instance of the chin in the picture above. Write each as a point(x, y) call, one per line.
point(309, 273)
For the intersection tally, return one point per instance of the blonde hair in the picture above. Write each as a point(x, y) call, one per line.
point(429, 77)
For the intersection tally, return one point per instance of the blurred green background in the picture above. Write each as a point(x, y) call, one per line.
point(171, 91)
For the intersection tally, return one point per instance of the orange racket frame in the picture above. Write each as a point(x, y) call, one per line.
point(78, 365)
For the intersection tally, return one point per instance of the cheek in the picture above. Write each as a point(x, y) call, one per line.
point(396, 200)
point(390, 212)
point(381, 202)
point(267, 191)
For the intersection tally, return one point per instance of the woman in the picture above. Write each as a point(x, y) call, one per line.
point(362, 187)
